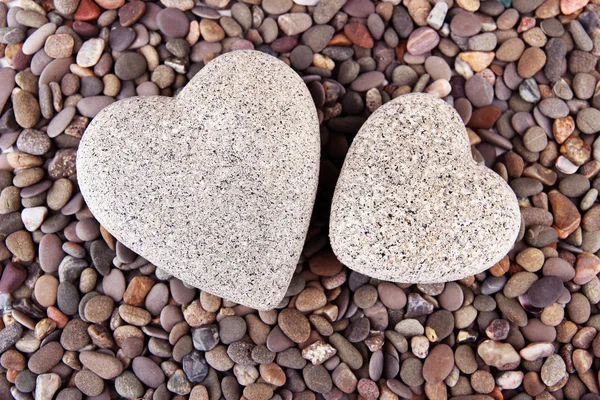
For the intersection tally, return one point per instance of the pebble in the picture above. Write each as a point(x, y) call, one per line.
point(479, 91)
point(45, 358)
point(578, 309)
point(130, 66)
point(90, 52)
point(438, 364)
point(50, 253)
point(9, 336)
point(59, 46)
point(411, 372)
point(422, 40)
point(391, 295)
point(317, 378)
point(89, 383)
point(465, 24)
point(46, 290)
point(499, 355)
point(173, 23)
point(98, 309)
point(554, 108)
point(545, 291)
point(46, 386)
point(294, 23)
point(103, 365)
point(553, 370)
point(26, 109)
point(587, 120)
point(128, 386)
point(13, 276)
point(147, 372)
point(326, 10)
point(358, 34)
point(531, 61)
point(294, 324)
point(232, 329)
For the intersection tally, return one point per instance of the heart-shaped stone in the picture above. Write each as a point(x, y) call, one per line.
point(215, 186)
point(411, 205)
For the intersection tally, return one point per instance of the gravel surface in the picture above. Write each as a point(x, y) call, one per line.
point(83, 315)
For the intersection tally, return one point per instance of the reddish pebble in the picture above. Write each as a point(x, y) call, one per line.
point(21, 61)
point(131, 12)
point(484, 117)
point(368, 389)
point(438, 364)
point(284, 44)
point(57, 316)
point(587, 267)
point(87, 11)
point(566, 215)
point(570, 6)
point(12, 277)
point(325, 263)
point(526, 24)
point(359, 34)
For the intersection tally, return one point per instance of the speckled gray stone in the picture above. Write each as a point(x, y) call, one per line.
point(216, 186)
point(411, 205)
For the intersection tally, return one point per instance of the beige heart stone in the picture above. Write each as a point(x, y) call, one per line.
point(215, 186)
point(411, 205)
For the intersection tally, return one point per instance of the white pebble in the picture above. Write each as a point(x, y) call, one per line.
point(308, 3)
point(33, 217)
point(564, 165)
point(245, 374)
point(462, 68)
point(440, 88)
point(510, 380)
point(436, 17)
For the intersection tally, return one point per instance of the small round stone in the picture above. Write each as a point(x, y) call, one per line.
point(545, 291)
point(130, 66)
point(232, 329)
point(294, 324)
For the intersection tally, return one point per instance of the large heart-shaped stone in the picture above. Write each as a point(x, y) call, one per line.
point(411, 205)
point(215, 186)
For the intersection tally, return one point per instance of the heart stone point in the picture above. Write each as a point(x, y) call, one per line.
point(215, 186)
point(411, 205)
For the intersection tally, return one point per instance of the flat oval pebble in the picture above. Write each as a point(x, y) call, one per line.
point(391, 295)
point(545, 291)
point(422, 40)
point(438, 364)
point(130, 66)
point(294, 324)
point(172, 22)
point(465, 24)
point(148, 372)
point(479, 91)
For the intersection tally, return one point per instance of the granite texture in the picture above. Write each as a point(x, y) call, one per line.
point(411, 204)
point(215, 186)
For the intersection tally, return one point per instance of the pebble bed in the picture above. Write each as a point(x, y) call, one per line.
point(83, 316)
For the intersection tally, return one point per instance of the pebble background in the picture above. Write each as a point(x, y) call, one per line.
point(85, 316)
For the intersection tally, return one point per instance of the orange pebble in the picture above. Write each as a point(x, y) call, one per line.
point(57, 316)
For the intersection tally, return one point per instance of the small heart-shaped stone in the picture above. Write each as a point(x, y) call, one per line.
point(411, 205)
point(216, 186)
